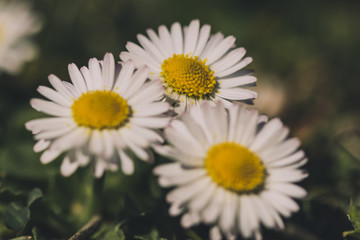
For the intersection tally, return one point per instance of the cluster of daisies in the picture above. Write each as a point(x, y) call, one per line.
point(180, 93)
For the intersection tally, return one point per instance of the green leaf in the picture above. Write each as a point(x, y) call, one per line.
point(110, 232)
point(152, 235)
point(16, 216)
point(33, 196)
point(22, 238)
point(354, 215)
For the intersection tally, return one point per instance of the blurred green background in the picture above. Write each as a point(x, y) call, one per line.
point(306, 59)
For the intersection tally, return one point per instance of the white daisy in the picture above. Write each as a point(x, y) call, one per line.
point(193, 65)
point(17, 22)
point(103, 114)
point(233, 170)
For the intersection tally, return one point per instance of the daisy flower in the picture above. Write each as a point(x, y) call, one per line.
point(233, 170)
point(102, 116)
point(17, 22)
point(193, 65)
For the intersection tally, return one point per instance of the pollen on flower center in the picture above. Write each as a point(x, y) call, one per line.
point(100, 109)
point(234, 167)
point(188, 75)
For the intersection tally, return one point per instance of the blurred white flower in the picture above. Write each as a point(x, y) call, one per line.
point(105, 114)
point(233, 170)
point(194, 66)
point(272, 97)
point(17, 23)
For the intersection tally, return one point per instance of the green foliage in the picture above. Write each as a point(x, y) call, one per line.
point(110, 232)
point(354, 217)
point(16, 216)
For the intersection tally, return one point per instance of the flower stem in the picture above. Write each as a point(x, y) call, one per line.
point(88, 230)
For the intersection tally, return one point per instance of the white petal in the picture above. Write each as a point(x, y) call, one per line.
point(203, 38)
point(281, 150)
point(179, 179)
point(76, 78)
point(228, 214)
point(96, 144)
point(236, 81)
point(124, 77)
point(59, 86)
point(127, 165)
point(42, 124)
point(177, 38)
point(266, 134)
point(234, 122)
point(41, 145)
point(155, 39)
point(280, 202)
point(289, 189)
point(236, 93)
point(67, 167)
point(50, 108)
point(212, 211)
point(87, 78)
point(215, 118)
point(128, 135)
point(75, 91)
point(95, 70)
point(196, 131)
point(149, 134)
point(249, 221)
point(49, 156)
point(263, 210)
point(250, 123)
point(295, 157)
point(73, 139)
point(220, 49)
point(108, 71)
point(229, 60)
point(215, 233)
point(81, 158)
point(54, 133)
point(150, 109)
point(285, 175)
point(243, 63)
point(168, 169)
point(166, 40)
point(150, 92)
point(179, 136)
point(150, 122)
point(191, 37)
point(202, 199)
point(189, 219)
point(100, 167)
point(197, 114)
point(137, 81)
point(108, 144)
point(186, 192)
point(150, 48)
point(54, 96)
point(175, 209)
point(139, 151)
point(213, 41)
point(135, 49)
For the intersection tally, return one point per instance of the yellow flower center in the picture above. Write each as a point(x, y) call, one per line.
point(235, 167)
point(100, 109)
point(188, 76)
